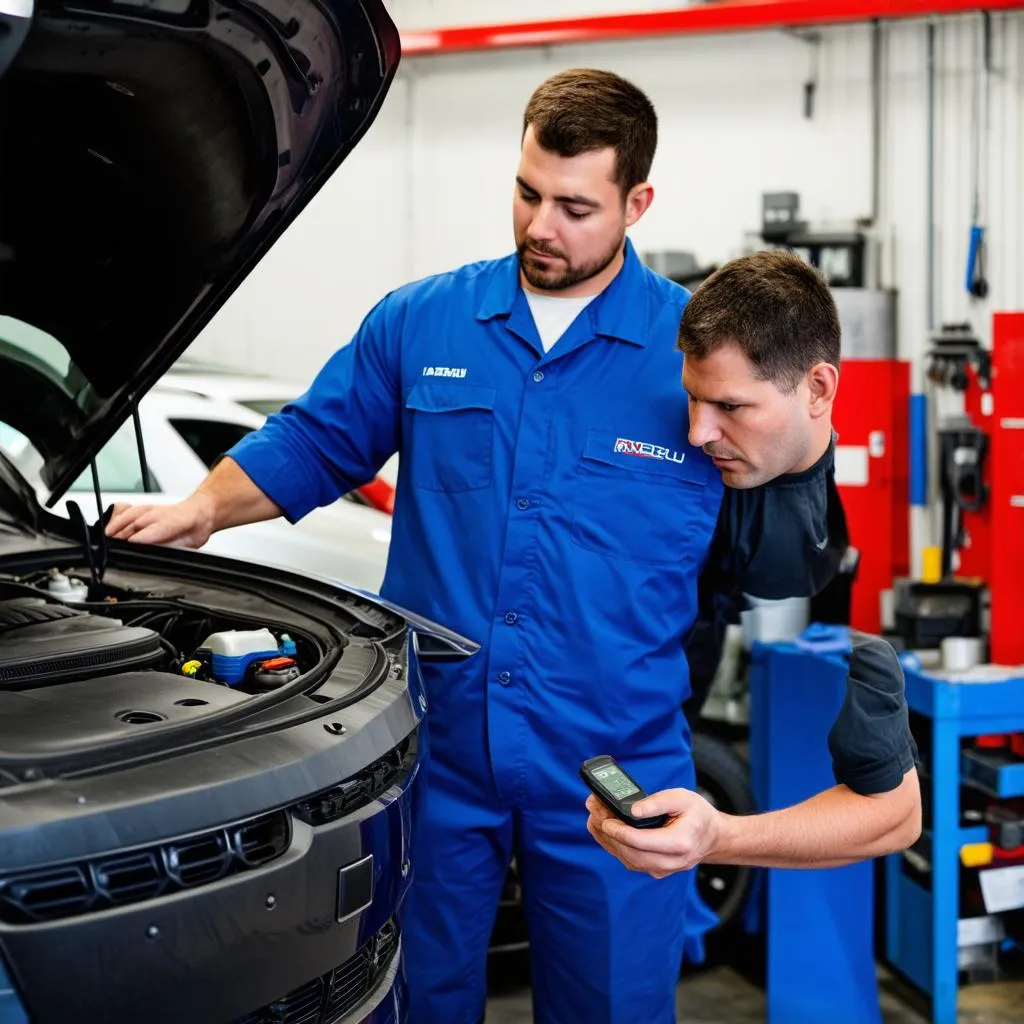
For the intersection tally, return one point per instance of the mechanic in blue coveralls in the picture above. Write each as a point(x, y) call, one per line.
point(556, 501)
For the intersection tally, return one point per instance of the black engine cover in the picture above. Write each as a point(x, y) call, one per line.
point(43, 643)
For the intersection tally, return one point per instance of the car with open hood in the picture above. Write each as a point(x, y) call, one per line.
point(206, 766)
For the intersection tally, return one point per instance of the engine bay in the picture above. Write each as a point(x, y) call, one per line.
point(152, 653)
point(52, 632)
point(138, 664)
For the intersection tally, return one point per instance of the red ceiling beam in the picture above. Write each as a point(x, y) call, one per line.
point(716, 16)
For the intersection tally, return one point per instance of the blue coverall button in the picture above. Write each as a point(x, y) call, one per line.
point(523, 504)
point(504, 678)
point(538, 376)
point(511, 617)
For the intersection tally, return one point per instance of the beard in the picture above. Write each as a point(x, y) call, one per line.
point(558, 278)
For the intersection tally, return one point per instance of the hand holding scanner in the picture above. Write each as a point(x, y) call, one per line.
point(617, 790)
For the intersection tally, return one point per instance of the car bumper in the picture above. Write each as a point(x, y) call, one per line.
point(241, 946)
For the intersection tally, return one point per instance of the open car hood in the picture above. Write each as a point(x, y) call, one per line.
point(151, 151)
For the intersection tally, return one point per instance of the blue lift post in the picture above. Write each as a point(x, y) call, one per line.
point(921, 925)
point(819, 924)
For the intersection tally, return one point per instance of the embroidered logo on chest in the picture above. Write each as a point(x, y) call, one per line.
point(444, 371)
point(646, 450)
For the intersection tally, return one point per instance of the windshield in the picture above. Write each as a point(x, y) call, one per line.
point(53, 395)
point(33, 355)
point(117, 463)
point(32, 352)
point(33, 347)
point(20, 452)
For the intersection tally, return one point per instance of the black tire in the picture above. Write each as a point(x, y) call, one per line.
point(723, 778)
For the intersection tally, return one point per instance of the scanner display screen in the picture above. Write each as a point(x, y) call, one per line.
point(613, 780)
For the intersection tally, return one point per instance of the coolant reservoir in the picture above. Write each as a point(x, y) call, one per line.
point(234, 650)
point(67, 588)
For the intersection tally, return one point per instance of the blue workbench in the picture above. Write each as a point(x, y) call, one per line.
point(921, 925)
point(819, 924)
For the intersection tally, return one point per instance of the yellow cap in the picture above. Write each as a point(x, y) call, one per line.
point(190, 668)
point(976, 855)
point(931, 565)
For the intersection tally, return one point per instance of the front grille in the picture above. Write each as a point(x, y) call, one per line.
point(359, 790)
point(200, 860)
point(132, 878)
point(70, 890)
point(259, 842)
point(62, 892)
point(337, 993)
point(303, 1006)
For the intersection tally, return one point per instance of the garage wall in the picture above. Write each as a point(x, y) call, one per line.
point(732, 127)
point(431, 185)
point(717, 153)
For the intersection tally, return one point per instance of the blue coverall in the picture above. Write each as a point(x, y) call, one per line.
point(549, 507)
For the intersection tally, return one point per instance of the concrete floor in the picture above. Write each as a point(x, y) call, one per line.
point(723, 995)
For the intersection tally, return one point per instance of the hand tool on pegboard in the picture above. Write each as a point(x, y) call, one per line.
point(975, 281)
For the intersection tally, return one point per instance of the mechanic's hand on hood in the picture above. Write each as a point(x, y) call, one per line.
point(688, 837)
point(188, 524)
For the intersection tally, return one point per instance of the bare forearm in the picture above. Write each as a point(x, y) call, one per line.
point(232, 499)
point(832, 829)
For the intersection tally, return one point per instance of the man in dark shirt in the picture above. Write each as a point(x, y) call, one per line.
point(760, 340)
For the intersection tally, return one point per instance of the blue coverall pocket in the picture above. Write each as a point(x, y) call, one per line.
point(616, 477)
point(449, 431)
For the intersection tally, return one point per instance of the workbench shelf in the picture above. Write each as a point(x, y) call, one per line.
point(923, 906)
point(995, 774)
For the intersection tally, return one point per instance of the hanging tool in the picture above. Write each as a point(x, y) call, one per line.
point(811, 85)
point(975, 282)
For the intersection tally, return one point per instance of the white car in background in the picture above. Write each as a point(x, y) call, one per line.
point(262, 393)
point(183, 434)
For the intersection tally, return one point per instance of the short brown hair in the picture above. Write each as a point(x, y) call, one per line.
point(776, 307)
point(582, 110)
